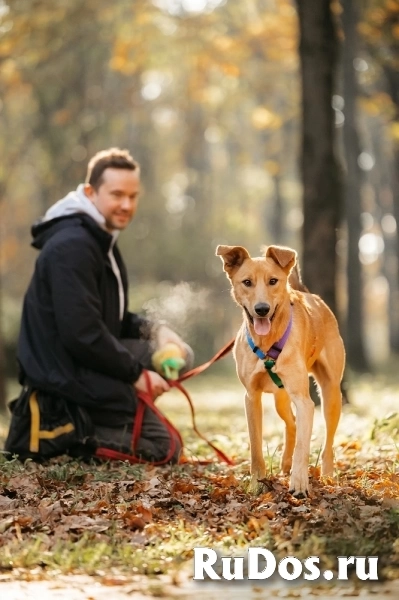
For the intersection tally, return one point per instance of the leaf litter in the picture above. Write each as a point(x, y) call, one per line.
point(116, 520)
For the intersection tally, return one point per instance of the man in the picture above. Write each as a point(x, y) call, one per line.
point(78, 343)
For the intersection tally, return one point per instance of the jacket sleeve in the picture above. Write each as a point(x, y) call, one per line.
point(72, 272)
point(136, 327)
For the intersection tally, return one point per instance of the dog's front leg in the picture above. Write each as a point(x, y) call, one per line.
point(253, 409)
point(299, 482)
point(284, 410)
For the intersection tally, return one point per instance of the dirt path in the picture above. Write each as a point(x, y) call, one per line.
point(83, 587)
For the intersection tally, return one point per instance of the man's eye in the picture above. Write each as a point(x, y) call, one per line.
point(247, 282)
point(273, 281)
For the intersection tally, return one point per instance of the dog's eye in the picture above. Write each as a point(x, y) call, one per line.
point(273, 281)
point(247, 282)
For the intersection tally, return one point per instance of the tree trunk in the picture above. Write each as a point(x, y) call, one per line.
point(354, 339)
point(394, 334)
point(392, 76)
point(196, 157)
point(2, 366)
point(320, 172)
point(277, 220)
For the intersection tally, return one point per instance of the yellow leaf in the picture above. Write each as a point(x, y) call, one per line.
point(395, 130)
point(263, 118)
point(223, 43)
point(231, 69)
point(272, 167)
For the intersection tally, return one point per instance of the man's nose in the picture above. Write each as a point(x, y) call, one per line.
point(126, 203)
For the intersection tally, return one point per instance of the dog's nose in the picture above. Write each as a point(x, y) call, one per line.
point(262, 309)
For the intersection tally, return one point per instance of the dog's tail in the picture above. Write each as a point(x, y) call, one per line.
point(296, 280)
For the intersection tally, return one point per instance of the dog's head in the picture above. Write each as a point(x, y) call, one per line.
point(259, 285)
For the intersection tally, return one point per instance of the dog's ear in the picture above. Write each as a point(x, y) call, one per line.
point(285, 257)
point(232, 257)
point(296, 280)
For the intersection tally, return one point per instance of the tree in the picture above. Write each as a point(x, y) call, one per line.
point(2, 374)
point(380, 31)
point(392, 76)
point(354, 341)
point(322, 188)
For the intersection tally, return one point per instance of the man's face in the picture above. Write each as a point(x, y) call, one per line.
point(117, 197)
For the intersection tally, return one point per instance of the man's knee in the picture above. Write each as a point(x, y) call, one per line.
point(167, 451)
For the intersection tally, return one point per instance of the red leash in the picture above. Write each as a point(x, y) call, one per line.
point(145, 400)
point(219, 452)
point(197, 370)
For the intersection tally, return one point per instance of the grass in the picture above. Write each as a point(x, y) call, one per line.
point(66, 516)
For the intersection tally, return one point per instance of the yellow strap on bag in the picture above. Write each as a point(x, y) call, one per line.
point(37, 434)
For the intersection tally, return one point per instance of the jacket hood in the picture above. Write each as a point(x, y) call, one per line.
point(59, 215)
point(74, 202)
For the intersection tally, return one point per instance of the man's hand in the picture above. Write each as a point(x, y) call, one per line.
point(164, 335)
point(158, 384)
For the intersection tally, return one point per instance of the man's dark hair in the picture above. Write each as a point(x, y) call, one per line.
point(113, 158)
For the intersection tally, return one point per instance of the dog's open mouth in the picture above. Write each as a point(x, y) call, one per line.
point(261, 325)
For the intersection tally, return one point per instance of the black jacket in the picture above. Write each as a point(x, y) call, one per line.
point(69, 342)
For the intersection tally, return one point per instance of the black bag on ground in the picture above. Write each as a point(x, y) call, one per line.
point(43, 426)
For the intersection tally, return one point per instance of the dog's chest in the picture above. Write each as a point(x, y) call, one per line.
point(263, 380)
point(253, 374)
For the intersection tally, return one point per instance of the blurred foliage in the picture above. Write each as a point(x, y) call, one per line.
point(381, 29)
point(206, 96)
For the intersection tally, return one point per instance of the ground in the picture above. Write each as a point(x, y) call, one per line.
point(71, 530)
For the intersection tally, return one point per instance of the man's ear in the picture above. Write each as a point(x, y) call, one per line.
point(89, 191)
point(232, 257)
point(284, 257)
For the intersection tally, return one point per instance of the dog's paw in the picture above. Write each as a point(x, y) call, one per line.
point(255, 486)
point(299, 485)
point(299, 495)
point(327, 467)
point(285, 465)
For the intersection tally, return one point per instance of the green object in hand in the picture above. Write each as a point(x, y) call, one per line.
point(168, 361)
point(171, 367)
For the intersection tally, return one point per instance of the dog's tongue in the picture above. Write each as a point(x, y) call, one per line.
point(262, 326)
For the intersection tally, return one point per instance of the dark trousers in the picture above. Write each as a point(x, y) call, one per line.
point(154, 443)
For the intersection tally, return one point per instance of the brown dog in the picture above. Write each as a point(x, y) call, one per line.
point(306, 334)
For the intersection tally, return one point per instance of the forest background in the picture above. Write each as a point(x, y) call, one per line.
point(255, 123)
